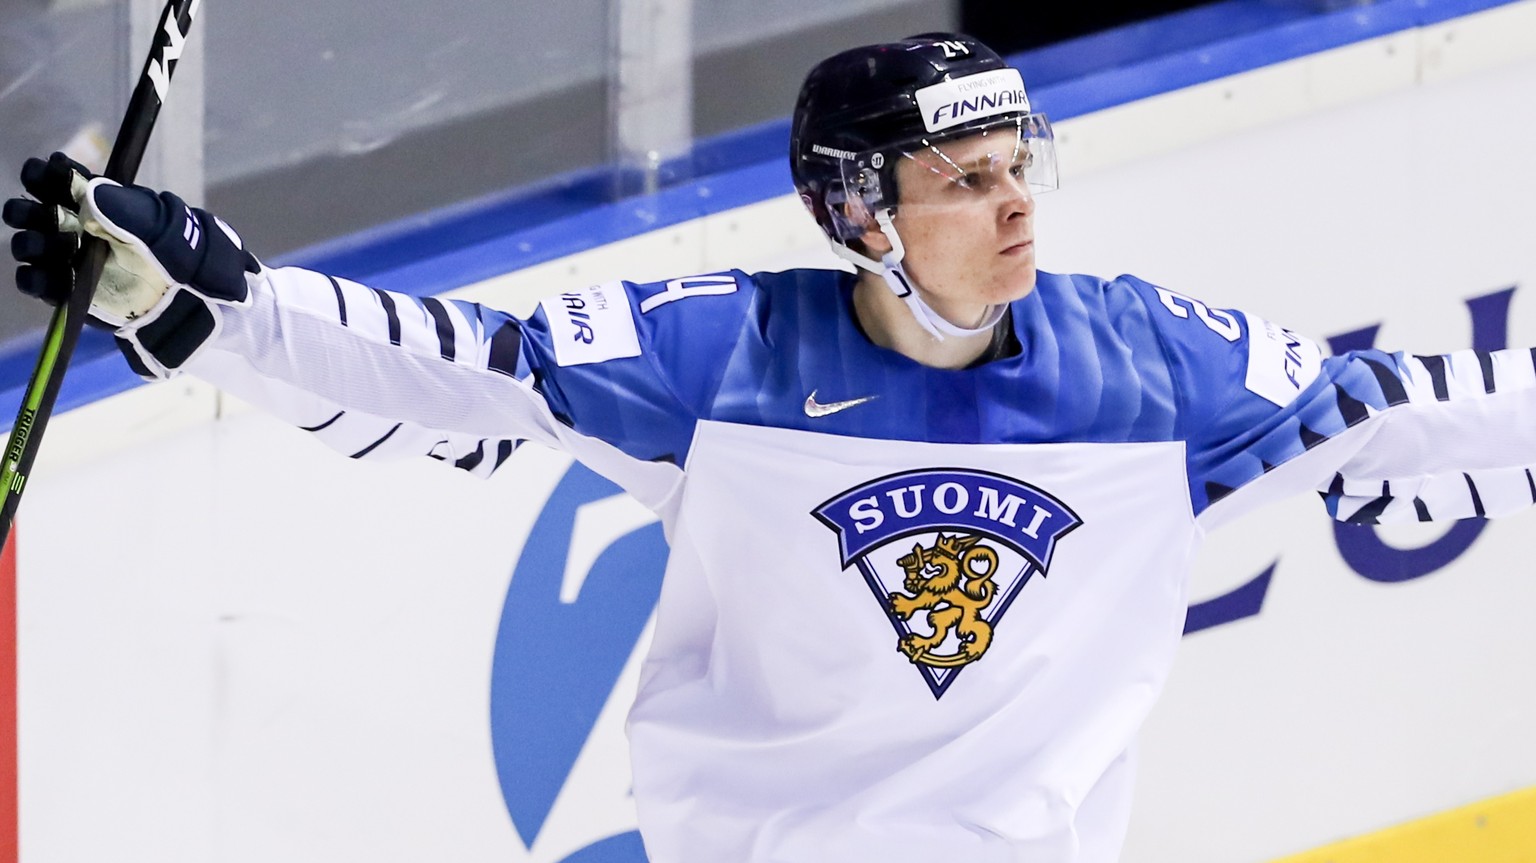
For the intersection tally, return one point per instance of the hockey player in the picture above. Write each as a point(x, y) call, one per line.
point(930, 521)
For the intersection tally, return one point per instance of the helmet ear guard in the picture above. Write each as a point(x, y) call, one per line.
point(851, 216)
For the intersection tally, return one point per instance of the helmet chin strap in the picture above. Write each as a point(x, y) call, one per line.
point(901, 284)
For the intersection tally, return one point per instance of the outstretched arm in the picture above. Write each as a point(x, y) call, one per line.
point(1457, 440)
point(373, 374)
point(1383, 436)
point(378, 375)
point(396, 376)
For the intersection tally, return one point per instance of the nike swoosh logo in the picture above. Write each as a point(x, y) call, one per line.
point(814, 408)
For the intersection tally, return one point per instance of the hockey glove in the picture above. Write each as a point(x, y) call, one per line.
point(170, 270)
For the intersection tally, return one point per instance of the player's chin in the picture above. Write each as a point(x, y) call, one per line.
point(1017, 282)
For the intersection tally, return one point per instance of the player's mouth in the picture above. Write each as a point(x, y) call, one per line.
point(1017, 249)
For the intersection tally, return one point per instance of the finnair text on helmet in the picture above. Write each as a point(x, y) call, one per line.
point(981, 106)
point(974, 97)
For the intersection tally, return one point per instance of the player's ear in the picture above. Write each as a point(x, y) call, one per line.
point(873, 239)
point(875, 243)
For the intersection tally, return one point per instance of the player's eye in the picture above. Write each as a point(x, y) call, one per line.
point(969, 181)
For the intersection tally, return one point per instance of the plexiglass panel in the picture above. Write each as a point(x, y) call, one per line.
point(322, 119)
point(59, 90)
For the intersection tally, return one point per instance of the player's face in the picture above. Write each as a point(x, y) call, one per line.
point(966, 217)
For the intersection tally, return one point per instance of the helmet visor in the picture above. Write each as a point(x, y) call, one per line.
point(1012, 156)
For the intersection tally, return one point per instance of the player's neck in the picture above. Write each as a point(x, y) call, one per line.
point(889, 323)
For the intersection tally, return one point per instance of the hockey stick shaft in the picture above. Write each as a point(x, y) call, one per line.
point(64, 327)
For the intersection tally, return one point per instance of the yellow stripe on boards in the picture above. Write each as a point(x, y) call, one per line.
point(1498, 830)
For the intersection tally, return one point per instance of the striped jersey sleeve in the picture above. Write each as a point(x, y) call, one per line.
point(1458, 441)
point(1384, 437)
point(376, 374)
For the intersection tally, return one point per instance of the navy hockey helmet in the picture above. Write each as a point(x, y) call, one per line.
point(859, 112)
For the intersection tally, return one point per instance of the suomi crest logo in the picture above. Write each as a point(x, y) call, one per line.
point(976, 539)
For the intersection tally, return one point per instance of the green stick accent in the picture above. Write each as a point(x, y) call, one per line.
point(10, 482)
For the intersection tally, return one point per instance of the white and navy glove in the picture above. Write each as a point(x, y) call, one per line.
point(171, 268)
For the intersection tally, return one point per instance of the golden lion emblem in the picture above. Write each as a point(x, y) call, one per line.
point(952, 581)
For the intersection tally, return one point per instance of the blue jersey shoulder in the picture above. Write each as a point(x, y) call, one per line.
point(700, 329)
point(638, 364)
point(1205, 347)
point(1254, 395)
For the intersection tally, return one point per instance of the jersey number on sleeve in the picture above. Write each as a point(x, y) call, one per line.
point(1221, 323)
point(693, 286)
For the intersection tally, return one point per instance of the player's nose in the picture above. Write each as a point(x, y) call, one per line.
point(1017, 201)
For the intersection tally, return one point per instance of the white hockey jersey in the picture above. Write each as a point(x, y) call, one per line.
point(910, 614)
